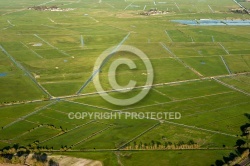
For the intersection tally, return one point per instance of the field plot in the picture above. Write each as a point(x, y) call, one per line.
point(164, 134)
point(241, 82)
point(10, 114)
point(172, 157)
point(245, 4)
point(16, 129)
point(39, 134)
point(123, 131)
point(238, 63)
point(18, 82)
point(208, 66)
point(196, 50)
point(74, 136)
point(47, 59)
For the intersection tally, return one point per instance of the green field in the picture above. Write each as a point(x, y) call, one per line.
point(47, 60)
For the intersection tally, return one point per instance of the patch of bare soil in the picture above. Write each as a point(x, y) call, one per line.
point(64, 161)
point(72, 161)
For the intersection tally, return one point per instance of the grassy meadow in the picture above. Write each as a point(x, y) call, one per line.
point(201, 72)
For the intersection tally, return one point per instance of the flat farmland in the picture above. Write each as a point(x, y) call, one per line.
point(47, 74)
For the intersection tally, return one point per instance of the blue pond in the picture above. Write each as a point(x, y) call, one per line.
point(3, 74)
point(208, 22)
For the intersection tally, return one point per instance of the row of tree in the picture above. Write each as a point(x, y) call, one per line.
point(3, 103)
point(166, 145)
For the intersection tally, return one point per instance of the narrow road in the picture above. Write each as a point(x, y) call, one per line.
point(139, 87)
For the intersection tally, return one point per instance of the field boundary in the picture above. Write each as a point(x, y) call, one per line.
point(225, 63)
point(151, 128)
point(202, 129)
point(128, 6)
point(245, 9)
point(211, 8)
point(177, 7)
point(216, 109)
point(31, 50)
point(110, 91)
point(62, 52)
point(232, 87)
point(168, 35)
point(18, 65)
point(102, 64)
point(68, 131)
point(174, 101)
point(180, 61)
point(28, 115)
point(224, 48)
point(92, 135)
point(88, 105)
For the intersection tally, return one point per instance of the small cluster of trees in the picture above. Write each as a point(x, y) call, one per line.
point(65, 148)
point(247, 132)
point(237, 159)
point(242, 148)
point(245, 145)
point(166, 145)
point(239, 10)
point(31, 148)
point(245, 129)
point(51, 126)
point(11, 102)
point(153, 12)
point(19, 154)
point(44, 98)
point(42, 7)
point(12, 159)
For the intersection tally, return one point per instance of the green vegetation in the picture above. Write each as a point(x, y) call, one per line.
point(201, 72)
